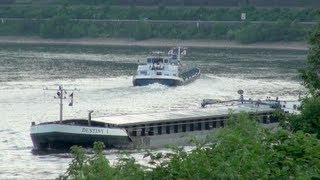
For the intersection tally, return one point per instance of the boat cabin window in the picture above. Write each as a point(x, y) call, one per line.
point(134, 133)
point(206, 126)
point(151, 133)
point(159, 129)
point(168, 129)
point(157, 60)
point(222, 123)
point(157, 64)
point(175, 128)
point(199, 126)
point(143, 131)
point(159, 73)
point(166, 61)
point(143, 73)
point(264, 119)
point(184, 127)
point(191, 127)
point(214, 124)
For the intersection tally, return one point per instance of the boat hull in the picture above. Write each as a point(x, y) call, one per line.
point(184, 79)
point(56, 136)
point(148, 81)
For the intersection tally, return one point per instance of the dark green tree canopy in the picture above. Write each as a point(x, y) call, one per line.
point(311, 74)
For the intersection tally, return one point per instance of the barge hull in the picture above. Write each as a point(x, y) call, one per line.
point(58, 140)
point(62, 136)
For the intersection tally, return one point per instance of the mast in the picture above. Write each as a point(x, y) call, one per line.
point(61, 94)
point(61, 103)
point(179, 49)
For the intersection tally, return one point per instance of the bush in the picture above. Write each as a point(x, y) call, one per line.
point(309, 119)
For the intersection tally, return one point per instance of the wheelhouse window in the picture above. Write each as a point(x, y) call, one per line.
point(157, 64)
point(143, 73)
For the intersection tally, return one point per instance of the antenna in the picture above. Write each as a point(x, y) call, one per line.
point(61, 94)
point(179, 49)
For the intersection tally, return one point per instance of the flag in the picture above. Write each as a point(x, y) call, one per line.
point(184, 52)
point(170, 52)
point(71, 99)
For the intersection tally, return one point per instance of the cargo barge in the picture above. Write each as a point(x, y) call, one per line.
point(151, 129)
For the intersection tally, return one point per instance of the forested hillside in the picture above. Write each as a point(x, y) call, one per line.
point(74, 21)
point(224, 3)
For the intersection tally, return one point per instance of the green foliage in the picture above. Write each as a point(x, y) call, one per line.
point(128, 168)
point(244, 150)
point(57, 27)
point(98, 167)
point(85, 167)
point(105, 11)
point(280, 31)
point(311, 74)
point(309, 119)
point(62, 22)
point(293, 155)
point(142, 31)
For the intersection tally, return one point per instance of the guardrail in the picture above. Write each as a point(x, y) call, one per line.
point(196, 22)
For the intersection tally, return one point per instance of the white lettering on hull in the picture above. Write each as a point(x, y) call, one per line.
point(47, 128)
point(92, 131)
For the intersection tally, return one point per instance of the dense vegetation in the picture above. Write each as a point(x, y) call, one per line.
point(161, 12)
point(309, 119)
point(232, 3)
point(61, 22)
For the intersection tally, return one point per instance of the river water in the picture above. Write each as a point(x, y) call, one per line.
point(104, 76)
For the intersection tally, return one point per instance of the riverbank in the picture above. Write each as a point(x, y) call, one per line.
point(199, 43)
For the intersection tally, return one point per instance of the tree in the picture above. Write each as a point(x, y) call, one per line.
point(57, 27)
point(309, 118)
point(142, 31)
point(311, 74)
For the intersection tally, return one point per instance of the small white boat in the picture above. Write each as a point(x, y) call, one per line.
point(167, 70)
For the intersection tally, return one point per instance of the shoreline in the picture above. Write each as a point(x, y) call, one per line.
point(196, 43)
